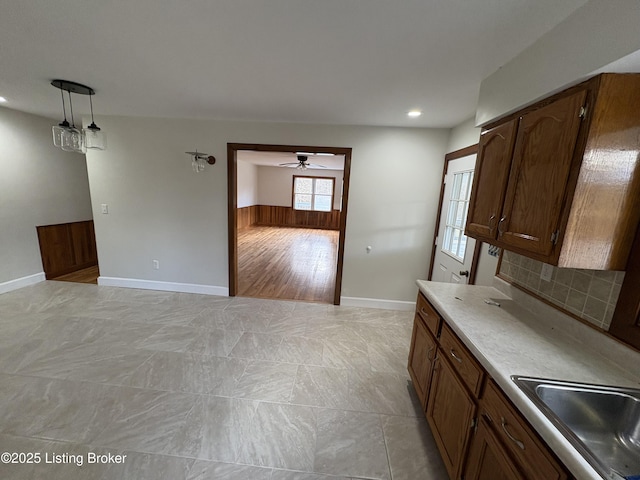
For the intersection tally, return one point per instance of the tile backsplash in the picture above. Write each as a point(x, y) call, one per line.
point(589, 294)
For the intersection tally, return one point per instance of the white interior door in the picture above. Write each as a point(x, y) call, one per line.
point(454, 250)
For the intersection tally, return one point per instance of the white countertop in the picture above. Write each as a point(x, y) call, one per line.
point(528, 338)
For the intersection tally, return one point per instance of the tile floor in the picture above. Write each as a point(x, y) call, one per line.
point(201, 387)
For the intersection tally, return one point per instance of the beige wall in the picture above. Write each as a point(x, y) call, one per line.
point(275, 184)
point(594, 36)
point(247, 184)
point(160, 209)
point(39, 185)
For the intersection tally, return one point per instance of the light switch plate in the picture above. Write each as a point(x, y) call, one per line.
point(105, 208)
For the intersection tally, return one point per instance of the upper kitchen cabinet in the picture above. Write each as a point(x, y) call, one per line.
point(560, 180)
point(490, 180)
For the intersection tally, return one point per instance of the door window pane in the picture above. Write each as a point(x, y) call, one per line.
point(454, 241)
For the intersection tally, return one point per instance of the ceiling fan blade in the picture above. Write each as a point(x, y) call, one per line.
point(315, 165)
point(287, 164)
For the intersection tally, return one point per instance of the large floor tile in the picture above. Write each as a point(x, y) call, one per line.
point(145, 420)
point(412, 449)
point(202, 470)
point(189, 372)
point(322, 387)
point(86, 361)
point(290, 475)
point(257, 346)
point(281, 436)
point(53, 409)
point(266, 381)
point(350, 444)
point(214, 429)
point(138, 466)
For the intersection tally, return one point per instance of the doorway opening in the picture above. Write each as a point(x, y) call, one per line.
point(291, 249)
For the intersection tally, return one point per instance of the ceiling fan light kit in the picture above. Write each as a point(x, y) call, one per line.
point(66, 136)
point(302, 163)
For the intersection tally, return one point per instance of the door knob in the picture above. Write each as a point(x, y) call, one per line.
point(464, 273)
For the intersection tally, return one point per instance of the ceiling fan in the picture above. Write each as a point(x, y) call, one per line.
point(302, 163)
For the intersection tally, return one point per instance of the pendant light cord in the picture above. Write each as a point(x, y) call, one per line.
point(64, 110)
point(91, 104)
point(73, 123)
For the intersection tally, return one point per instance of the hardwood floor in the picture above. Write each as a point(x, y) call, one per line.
point(287, 263)
point(87, 275)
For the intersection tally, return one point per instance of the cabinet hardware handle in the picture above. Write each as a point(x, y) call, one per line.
point(491, 225)
point(429, 353)
point(422, 310)
point(453, 354)
point(511, 437)
point(500, 229)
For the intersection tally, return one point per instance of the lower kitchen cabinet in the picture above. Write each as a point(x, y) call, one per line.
point(517, 438)
point(450, 414)
point(487, 458)
point(421, 359)
point(479, 433)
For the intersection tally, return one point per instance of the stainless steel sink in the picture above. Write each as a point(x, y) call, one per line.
point(602, 423)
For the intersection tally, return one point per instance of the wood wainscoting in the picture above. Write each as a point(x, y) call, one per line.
point(247, 216)
point(276, 216)
point(67, 247)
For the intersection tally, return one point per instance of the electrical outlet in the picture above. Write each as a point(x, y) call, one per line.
point(547, 272)
point(156, 265)
point(105, 208)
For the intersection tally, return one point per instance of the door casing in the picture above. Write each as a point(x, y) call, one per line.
point(463, 152)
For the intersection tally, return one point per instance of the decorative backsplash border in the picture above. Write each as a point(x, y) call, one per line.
point(589, 294)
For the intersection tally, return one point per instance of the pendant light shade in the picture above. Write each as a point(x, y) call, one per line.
point(95, 138)
point(66, 136)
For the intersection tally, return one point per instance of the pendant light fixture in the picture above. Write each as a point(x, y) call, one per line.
point(68, 137)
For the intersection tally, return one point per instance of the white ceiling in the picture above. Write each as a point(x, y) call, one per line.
point(358, 62)
point(274, 159)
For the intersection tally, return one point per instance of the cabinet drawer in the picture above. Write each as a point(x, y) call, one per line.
point(518, 437)
point(428, 314)
point(462, 360)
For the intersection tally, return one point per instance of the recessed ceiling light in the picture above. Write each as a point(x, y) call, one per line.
point(414, 113)
point(2, 99)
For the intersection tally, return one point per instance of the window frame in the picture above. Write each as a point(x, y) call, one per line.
point(313, 194)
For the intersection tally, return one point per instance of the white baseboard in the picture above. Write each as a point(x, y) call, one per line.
point(377, 303)
point(165, 286)
point(22, 282)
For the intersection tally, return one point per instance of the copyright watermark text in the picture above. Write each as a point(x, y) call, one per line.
point(78, 459)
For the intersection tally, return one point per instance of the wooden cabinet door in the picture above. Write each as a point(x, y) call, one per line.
point(56, 249)
point(625, 324)
point(542, 161)
point(450, 411)
point(490, 181)
point(488, 459)
point(84, 243)
point(421, 356)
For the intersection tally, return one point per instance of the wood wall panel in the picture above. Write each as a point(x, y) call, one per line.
point(247, 216)
point(67, 247)
point(288, 217)
point(276, 216)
